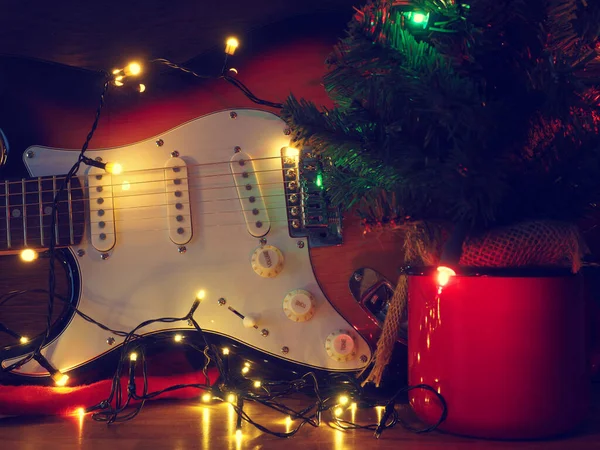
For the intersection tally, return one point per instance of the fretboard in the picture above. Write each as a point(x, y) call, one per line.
point(26, 213)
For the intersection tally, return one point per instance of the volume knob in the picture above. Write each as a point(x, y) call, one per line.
point(340, 346)
point(299, 305)
point(267, 261)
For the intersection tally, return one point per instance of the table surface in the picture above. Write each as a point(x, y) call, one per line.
point(194, 425)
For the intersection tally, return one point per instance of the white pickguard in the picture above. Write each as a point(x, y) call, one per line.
point(146, 277)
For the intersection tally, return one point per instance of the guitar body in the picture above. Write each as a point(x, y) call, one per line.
point(154, 258)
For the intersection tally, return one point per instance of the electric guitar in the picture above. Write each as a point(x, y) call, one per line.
point(220, 209)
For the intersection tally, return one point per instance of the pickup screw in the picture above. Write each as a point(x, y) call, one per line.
point(264, 332)
point(232, 115)
point(80, 252)
point(300, 244)
point(174, 154)
point(363, 358)
point(110, 340)
point(287, 131)
point(222, 301)
point(285, 350)
point(182, 249)
point(237, 149)
point(104, 256)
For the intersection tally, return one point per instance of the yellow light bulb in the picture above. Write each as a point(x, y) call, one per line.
point(231, 45)
point(113, 168)
point(245, 369)
point(257, 384)
point(226, 351)
point(133, 356)
point(141, 88)
point(118, 83)
point(133, 69)
point(291, 152)
point(233, 70)
point(60, 379)
point(444, 274)
point(246, 364)
point(23, 340)
point(206, 397)
point(116, 71)
point(29, 255)
point(238, 434)
point(343, 400)
point(200, 294)
point(80, 412)
point(231, 398)
point(338, 412)
point(178, 338)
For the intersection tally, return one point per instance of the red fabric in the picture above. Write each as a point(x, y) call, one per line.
point(42, 400)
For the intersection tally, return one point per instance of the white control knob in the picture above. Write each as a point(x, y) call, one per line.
point(340, 346)
point(299, 305)
point(249, 321)
point(267, 261)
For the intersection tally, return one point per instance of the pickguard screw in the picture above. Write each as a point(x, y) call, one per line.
point(222, 301)
point(363, 358)
point(174, 154)
point(182, 249)
point(358, 277)
point(160, 143)
point(80, 252)
point(287, 131)
point(285, 350)
point(232, 115)
point(190, 324)
point(30, 153)
point(237, 149)
point(300, 244)
point(110, 340)
point(264, 332)
point(98, 158)
point(263, 241)
point(104, 256)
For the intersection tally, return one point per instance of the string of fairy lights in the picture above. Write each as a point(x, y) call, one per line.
point(333, 393)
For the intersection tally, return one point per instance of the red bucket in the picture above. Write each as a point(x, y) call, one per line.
point(506, 349)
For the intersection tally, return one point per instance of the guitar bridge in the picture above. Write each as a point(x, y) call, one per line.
point(309, 213)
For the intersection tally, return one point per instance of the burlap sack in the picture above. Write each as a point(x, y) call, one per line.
point(527, 244)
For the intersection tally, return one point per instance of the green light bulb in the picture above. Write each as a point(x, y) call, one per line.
point(418, 18)
point(319, 180)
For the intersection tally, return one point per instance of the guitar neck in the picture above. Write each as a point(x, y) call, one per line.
point(26, 213)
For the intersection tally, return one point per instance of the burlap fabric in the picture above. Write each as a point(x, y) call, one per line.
point(527, 244)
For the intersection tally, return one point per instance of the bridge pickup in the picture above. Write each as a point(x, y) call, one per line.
point(102, 210)
point(179, 213)
point(250, 194)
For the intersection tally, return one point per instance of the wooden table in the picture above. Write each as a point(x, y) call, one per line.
point(194, 425)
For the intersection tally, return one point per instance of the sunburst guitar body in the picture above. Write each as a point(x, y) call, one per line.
point(212, 203)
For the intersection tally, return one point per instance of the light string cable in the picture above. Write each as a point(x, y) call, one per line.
point(36, 354)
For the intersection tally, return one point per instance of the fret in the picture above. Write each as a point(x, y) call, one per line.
point(31, 213)
point(7, 207)
point(24, 211)
point(70, 204)
point(41, 211)
point(15, 213)
point(54, 191)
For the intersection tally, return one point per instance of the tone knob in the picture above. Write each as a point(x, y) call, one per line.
point(299, 305)
point(340, 346)
point(267, 261)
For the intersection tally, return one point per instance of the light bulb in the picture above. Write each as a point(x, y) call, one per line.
point(133, 356)
point(60, 379)
point(231, 398)
point(133, 69)
point(233, 70)
point(291, 152)
point(141, 88)
point(178, 338)
point(113, 168)
point(443, 275)
point(338, 412)
point(257, 384)
point(206, 397)
point(231, 45)
point(238, 433)
point(343, 400)
point(80, 412)
point(245, 369)
point(200, 294)
point(29, 255)
point(225, 350)
point(23, 340)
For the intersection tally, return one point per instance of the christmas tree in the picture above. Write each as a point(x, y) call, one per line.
point(484, 112)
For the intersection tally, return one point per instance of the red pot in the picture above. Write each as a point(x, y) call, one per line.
point(505, 350)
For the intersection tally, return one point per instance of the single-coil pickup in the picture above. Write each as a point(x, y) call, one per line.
point(247, 183)
point(102, 212)
point(179, 213)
